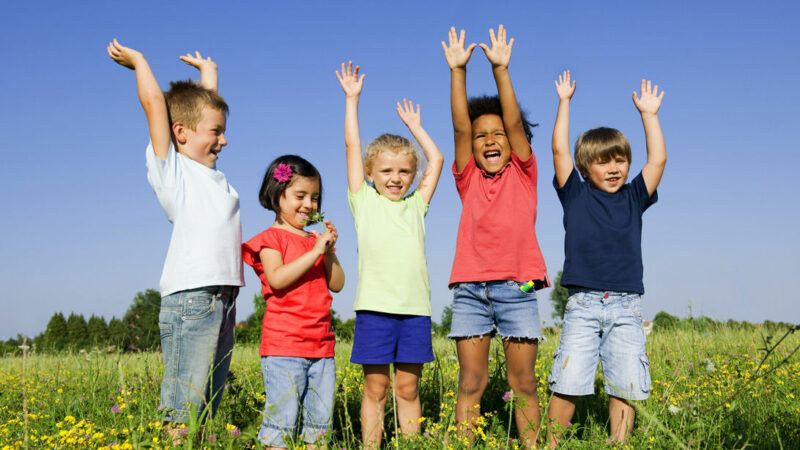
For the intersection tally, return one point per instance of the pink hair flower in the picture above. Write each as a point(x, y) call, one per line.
point(282, 173)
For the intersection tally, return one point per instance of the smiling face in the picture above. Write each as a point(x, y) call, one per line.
point(207, 139)
point(490, 146)
point(298, 201)
point(392, 173)
point(608, 175)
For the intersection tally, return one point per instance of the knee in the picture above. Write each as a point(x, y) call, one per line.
point(522, 382)
point(376, 391)
point(407, 392)
point(470, 383)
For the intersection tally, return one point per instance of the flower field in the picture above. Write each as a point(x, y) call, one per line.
point(729, 388)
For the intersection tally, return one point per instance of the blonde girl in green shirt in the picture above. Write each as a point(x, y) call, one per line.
point(393, 308)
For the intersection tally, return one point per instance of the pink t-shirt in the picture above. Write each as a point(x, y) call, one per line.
point(297, 321)
point(496, 233)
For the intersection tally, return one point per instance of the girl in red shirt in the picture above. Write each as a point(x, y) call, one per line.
point(298, 269)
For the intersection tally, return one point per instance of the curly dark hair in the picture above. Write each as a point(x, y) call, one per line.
point(479, 106)
point(271, 189)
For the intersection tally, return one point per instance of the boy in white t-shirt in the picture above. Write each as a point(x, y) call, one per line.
point(203, 269)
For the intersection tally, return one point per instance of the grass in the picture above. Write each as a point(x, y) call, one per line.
point(727, 388)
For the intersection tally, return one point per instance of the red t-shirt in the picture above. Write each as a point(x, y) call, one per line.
point(496, 234)
point(297, 321)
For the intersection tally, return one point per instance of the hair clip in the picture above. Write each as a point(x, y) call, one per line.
point(282, 173)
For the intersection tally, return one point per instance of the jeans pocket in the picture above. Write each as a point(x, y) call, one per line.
point(555, 371)
point(644, 374)
point(198, 306)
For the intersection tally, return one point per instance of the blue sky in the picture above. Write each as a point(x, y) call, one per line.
point(82, 231)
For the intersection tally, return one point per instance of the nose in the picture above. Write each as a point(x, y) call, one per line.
point(612, 167)
point(222, 140)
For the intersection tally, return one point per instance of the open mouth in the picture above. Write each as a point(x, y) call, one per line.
point(492, 156)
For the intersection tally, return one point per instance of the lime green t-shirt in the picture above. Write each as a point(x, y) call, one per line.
point(392, 269)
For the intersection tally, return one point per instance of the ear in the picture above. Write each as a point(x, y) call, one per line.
point(368, 175)
point(179, 131)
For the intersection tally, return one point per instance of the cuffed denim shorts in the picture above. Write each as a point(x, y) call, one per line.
point(196, 328)
point(383, 338)
point(489, 307)
point(607, 325)
point(292, 383)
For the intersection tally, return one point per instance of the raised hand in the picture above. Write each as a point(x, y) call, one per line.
point(500, 53)
point(407, 114)
point(650, 100)
point(198, 62)
point(565, 86)
point(350, 81)
point(124, 56)
point(457, 56)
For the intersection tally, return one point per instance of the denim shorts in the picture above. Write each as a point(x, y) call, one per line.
point(196, 328)
point(488, 307)
point(382, 338)
point(293, 386)
point(607, 325)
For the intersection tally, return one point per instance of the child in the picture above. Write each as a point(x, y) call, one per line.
point(203, 270)
point(603, 263)
point(498, 264)
point(297, 269)
point(393, 309)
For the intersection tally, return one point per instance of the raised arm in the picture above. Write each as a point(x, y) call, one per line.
point(209, 78)
point(500, 55)
point(457, 57)
point(562, 159)
point(150, 95)
point(281, 275)
point(648, 105)
point(413, 120)
point(352, 84)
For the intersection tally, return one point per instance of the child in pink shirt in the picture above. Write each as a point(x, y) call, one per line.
point(498, 264)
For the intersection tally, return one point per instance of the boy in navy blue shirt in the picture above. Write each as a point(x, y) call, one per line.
point(603, 262)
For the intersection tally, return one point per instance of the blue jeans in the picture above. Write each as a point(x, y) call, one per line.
point(292, 383)
point(605, 325)
point(196, 342)
point(486, 307)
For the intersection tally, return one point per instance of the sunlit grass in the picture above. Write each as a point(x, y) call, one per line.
point(710, 389)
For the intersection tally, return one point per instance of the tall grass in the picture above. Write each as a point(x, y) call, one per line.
point(724, 388)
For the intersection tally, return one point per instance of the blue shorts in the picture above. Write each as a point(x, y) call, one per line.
point(383, 338)
point(289, 384)
point(487, 307)
point(607, 325)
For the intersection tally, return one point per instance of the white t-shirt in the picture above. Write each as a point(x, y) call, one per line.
point(206, 244)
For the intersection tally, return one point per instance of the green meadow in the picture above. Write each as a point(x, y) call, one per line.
point(719, 387)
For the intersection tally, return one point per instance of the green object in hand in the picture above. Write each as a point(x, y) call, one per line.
point(315, 217)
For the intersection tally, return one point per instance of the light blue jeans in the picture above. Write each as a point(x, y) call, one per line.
point(292, 383)
point(196, 342)
point(605, 325)
point(489, 307)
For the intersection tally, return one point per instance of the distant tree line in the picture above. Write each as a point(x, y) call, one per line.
point(138, 329)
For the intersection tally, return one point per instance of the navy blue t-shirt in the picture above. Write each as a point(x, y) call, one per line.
point(603, 242)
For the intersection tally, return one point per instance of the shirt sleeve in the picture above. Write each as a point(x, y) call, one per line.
point(570, 189)
point(165, 177)
point(356, 200)
point(420, 203)
point(528, 168)
point(251, 250)
point(463, 177)
point(643, 198)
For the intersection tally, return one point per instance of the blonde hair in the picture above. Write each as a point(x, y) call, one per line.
point(600, 143)
point(391, 143)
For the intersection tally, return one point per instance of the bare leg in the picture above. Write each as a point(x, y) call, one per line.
point(373, 403)
point(521, 362)
point(473, 357)
point(621, 415)
point(560, 412)
point(406, 388)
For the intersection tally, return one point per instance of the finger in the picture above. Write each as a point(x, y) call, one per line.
point(418, 109)
point(361, 80)
point(635, 98)
point(644, 86)
point(462, 38)
point(339, 76)
point(660, 96)
point(355, 73)
point(484, 47)
point(649, 87)
point(492, 39)
point(573, 86)
point(471, 48)
point(197, 54)
point(343, 70)
point(444, 47)
point(655, 90)
point(451, 35)
point(510, 43)
point(349, 68)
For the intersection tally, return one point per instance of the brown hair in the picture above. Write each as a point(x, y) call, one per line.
point(186, 100)
point(600, 143)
